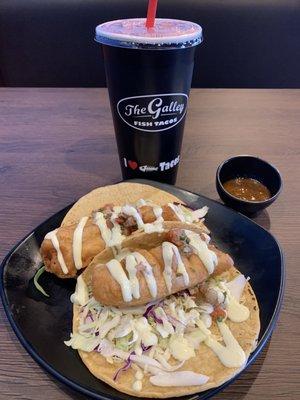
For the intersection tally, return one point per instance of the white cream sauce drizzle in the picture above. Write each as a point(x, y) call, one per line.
point(157, 211)
point(111, 237)
point(169, 250)
point(137, 385)
point(181, 270)
point(52, 236)
point(77, 242)
point(180, 348)
point(81, 294)
point(207, 256)
point(133, 212)
point(131, 287)
point(100, 221)
point(148, 273)
point(231, 355)
point(167, 257)
point(157, 225)
point(236, 312)
point(131, 264)
point(117, 272)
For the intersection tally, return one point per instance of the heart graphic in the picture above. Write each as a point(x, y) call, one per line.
point(132, 164)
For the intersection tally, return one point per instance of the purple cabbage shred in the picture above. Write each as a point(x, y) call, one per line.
point(89, 316)
point(125, 367)
point(174, 321)
point(145, 348)
point(97, 348)
point(156, 319)
point(151, 313)
point(148, 310)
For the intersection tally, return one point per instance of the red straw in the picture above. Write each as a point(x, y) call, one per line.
point(151, 12)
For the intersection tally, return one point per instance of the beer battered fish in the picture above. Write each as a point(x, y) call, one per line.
point(182, 261)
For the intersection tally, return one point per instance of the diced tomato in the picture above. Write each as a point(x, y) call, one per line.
point(119, 220)
point(218, 313)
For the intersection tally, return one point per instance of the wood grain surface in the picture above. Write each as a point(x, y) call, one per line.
point(58, 144)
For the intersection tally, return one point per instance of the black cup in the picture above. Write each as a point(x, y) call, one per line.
point(148, 88)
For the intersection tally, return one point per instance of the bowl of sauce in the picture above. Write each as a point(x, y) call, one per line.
point(247, 183)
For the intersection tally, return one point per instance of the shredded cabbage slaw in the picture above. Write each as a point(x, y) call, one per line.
point(158, 337)
point(148, 335)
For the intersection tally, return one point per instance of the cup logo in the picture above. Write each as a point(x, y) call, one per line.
point(153, 113)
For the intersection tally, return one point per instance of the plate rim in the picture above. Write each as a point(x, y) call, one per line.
point(79, 388)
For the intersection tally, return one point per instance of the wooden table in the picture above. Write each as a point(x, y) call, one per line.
point(57, 144)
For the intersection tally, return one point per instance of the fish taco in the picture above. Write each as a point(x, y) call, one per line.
point(108, 216)
point(167, 315)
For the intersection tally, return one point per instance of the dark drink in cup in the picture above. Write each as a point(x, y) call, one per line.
point(149, 73)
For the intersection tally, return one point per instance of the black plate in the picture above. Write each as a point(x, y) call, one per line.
point(42, 324)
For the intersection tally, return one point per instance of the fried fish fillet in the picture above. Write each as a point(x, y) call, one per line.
point(108, 291)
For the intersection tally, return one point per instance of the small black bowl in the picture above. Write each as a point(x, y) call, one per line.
point(245, 166)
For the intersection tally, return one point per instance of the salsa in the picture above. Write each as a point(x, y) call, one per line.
point(247, 189)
